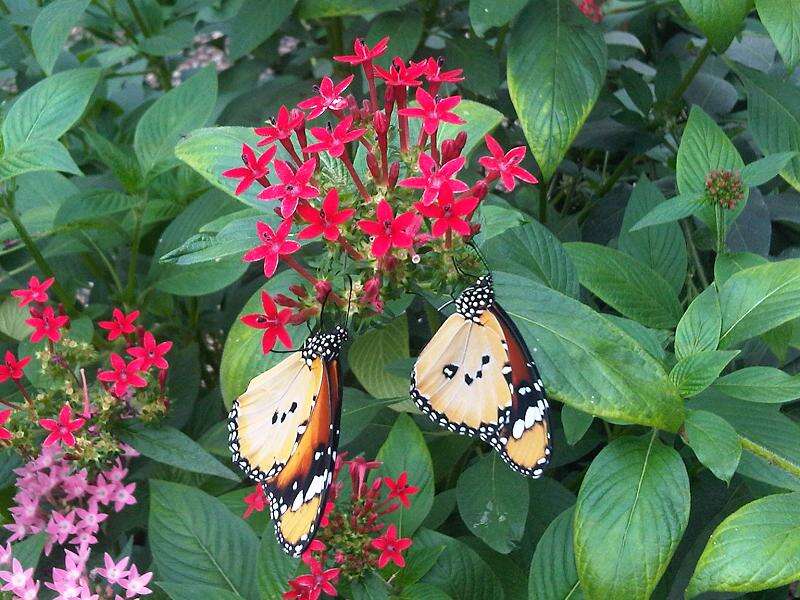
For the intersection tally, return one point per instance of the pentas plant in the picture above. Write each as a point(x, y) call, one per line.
point(376, 181)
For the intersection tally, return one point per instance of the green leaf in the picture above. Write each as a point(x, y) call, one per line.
point(36, 155)
point(172, 447)
point(480, 64)
point(93, 205)
point(29, 551)
point(618, 379)
point(423, 591)
point(756, 548)
point(274, 568)
point(174, 114)
point(404, 29)
point(191, 591)
point(625, 284)
point(697, 371)
point(672, 210)
point(316, 9)
point(194, 539)
point(358, 410)
point(719, 20)
point(51, 29)
point(760, 384)
point(405, 450)
point(532, 250)
point(758, 299)
point(493, 502)
point(661, 248)
point(419, 561)
point(12, 319)
point(49, 108)
point(575, 423)
point(699, 327)
point(372, 351)
point(761, 171)
point(556, 68)
point(553, 575)
point(252, 25)
point(485, 14)
point(782, 21)
point(714, 441)
point(730, 264)
point(632, 509)
point(371, 587)
point(480, 120)
point(172, 39)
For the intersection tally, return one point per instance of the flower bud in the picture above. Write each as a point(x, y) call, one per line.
point(448, 151)
point(724, 188)
point(284, 300)
point(479, 190)
point(298, 290)
point(394, 173)
point(372, 165)
point(380, 122)
point(460, 141)
point(322, 288)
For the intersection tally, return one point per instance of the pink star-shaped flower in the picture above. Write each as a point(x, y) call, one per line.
point(401, 75)
point(325, 221)
point(272, 321)
point(274, 244)
point(391, 547)
point(61, 430)
point(400, 489)
point(254, 169)
point(294, 185)
point(433, 111)
point(505, 164)
point(255, 501)
point(434, 178)
point(329, 97)
point(335, 141)
point(5, 415)
point(434, 73)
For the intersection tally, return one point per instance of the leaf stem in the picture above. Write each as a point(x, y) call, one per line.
point(543, 188)
point(689, 76)
point(698, 264)
point(719, 217)
point(130, 289)
point(770, 456)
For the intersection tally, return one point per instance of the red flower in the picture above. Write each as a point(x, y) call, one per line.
point(325, 221)
point(334, 141)
point(120, 324)
point(293, 186)
point(273, 245)
point(400, 75)
point(282, 127)
point(391, 547)
point(434, 73)
point(400, 489)
point(312, 585)
point(254, 167)
point(505, 164)
point(272, 321)
point(5, 415)
point(388, 231)
point(435, 177)
point(13, 367)
point(359, 467)
point(323, 520)
point(47, 325)
point(329, 96)
point(35, 292)
point(150, 353)
point(123, 375)
point(448, 213)
point(362, 53)
point(256, 501)
point(433, 111)
point(62, 429)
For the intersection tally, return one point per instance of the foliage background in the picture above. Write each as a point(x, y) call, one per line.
point(675, 354)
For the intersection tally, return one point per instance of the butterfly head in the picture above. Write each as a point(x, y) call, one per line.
point(476, 298)
point(325, 344)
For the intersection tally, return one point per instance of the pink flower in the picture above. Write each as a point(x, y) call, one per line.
point(255, 501)
point(435, 177)
point(5, 415)
point(60, 527)
point(102, 491)
point(400, 489)
point(329, 97)
point(135, 584)
point(505, 164)
point(123, 375)
point(35, 292)
point(13, 367)
point(5, 554)
point(113, 572)
point(63, 429)
point(449, 214)
point(293, 186)
point(254, 169)
point(274, 244)
point(391, 547)
point(123, 496)
point(150, 353)
point(282, 127)
point(388, 231)
point(400, 75)
point(120, 324)
point(325, 221)
point(47, 325)
point(433, 111)
point(371, 294)
point(90, 518)
point(334, 142)
point(272, 321)
point(362, 53)
point(17, 579)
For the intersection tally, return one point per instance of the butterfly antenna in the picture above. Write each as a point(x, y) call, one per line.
point(348, 316)
point(462, 271)
point(473, 245)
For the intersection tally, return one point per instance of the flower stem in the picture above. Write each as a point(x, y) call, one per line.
point(23, 391)
point(348, 164)
point(698, 264)
point(300, 270)
point(435, 147)
point(292, 152)
point(130, 289)
point(719, 217)
point(402, 120)
point(369, 73)
point(347, 247)
point(770, 456)
point(689, 76)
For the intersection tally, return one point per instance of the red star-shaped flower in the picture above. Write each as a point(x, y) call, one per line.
point(433, 111)
point(272, 321)
point(256, 501)
point(255, 167)
point(334, 142)
point(281, 127)
point(123, 375)
point(434, 73)
point(151, 353)
point(448, 213)
point(13, 367)
point(274, 244)
point(401, 75)
point(46, 325)
point(5, 415)
point(434, 178)
point(61, 430)
point(363, 53)
point(505, 164)
point(388, 231)
point(329, 97)
point(325, 221)
point(391, 548)
point(400, 489)
point(120, 324)
point(293, 186)
point(35, 292)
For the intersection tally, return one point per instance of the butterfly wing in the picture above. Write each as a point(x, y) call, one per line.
point(298, 494)
point(266, 423)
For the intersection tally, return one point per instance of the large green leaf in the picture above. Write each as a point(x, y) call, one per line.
point(49, 108)
point(493, 502)
point(194, 539)
point(694, 373)
point(553, 573)
point(763, 170)
point(586, 361)
point(714, 441)
point(720, 20)
point(485, 14)
point(782, 21)
point(372, 351)
point(51, 29)
point(174, 114)
point(632, 509)
point(699, 327)
point(191, 591)
point(755, 548)
point(36, 155)
point(626, 284)
point(672, 210)
point(316, 9)
point(556, 68)
point(252, 25)
point(760, 384)
point(274, 568)
point(480, 120)
point(94, 204)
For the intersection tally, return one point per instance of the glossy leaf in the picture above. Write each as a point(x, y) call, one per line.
point(575, 423)
point(553, 573)
point(274, 567)
point(761, 171)
point(485, 14)
point(760, 384)
point(252, 25)
point(782, 21)
point(699, 327)
point(371, 352)
point(671, 210)
point(697, 371)
point(189, 591)
point(36, 155)
point(719, 20)
point(315, 9)
point(51, 28)
point(714, 441)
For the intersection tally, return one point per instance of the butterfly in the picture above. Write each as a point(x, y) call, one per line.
point(476, 377)
point(284, 433)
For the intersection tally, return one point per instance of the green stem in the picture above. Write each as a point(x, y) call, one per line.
point(543, 189)
point(335, 41)
point(689, 76)
point(770, 456)
point(719, 217)
point(698, 264)
point(111, 270)
point(612, 179)
point(130, 290)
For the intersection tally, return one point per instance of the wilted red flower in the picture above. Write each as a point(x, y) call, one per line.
point(325, 221)
point(254, 169)
point(272, 321)
point(255, 501)
point(400, 489)
point(294, 185)
point(151, 353)
point(35, 292)
point(433, 111)
point(363, 53)
point(282, 127)
point(449, 214)
point(435, 178)
point(47, 325)
point(274, 244)
point(13, 367)
point(120, 324)
point(505, 164)
point(329, 97)
point(123, 375)
point(388, 231)
point(61, 430)
point(391, 547)
point(334, 141)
